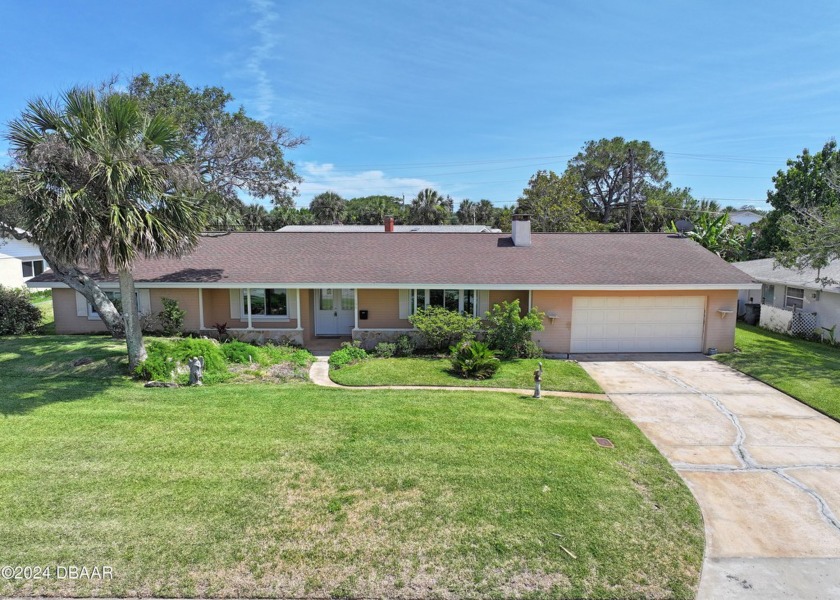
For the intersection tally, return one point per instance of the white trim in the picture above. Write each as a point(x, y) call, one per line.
point(297, 306)
point(248, 297)
point(201, 309)
point(356, 307)
point(268, 329)
point(530, 299)
point(386, 329)
point(408, 286)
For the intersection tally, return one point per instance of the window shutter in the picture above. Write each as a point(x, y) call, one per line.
point(404, 308)
point(291, 304)
point(483, 302)
point(144, 302)
point(235, 302)
point(81, 305)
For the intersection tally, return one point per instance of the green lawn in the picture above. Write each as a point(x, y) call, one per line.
point(296, 490)
point(807, 371)
point(43, 300)
point(558, 375)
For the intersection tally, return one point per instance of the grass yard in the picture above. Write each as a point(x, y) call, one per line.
point(296, 490)
point(806, 370)
point(43, 300)
point(559, 375)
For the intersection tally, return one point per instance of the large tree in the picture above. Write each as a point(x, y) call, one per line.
point(372, 210)
point(554, 203)
point(602, 171)
point(103, 183)
point(232, 152)
point(328, 208)
point(430, 208)
point(802, 192)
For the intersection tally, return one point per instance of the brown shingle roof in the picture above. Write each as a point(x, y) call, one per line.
point(553, 259)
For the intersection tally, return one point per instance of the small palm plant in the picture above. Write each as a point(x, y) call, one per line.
point(473, 359)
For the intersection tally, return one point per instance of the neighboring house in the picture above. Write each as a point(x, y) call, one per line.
point(20, 261)
point(789, 290)
point(744, 217)
point(601, 292)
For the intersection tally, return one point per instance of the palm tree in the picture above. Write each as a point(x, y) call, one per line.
point(104, 184)
point(328, 208)
point(428, 208)
point(254, 217)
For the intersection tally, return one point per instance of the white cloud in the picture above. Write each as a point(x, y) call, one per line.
point(322, 177)
point(265, 28)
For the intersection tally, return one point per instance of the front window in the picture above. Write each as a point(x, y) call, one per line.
point(269, 302)
point(114, 296)
point(32, 268)
point(794, 298)
point(461, 301)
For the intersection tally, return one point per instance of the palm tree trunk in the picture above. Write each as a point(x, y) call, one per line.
point(131, 317)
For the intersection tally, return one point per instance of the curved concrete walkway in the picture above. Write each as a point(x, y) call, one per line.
point(319, 373)
point(765, 470)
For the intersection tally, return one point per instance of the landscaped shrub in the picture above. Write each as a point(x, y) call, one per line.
point(239, 352)
point(171, 318)
point(385, 350)
point(166, 359)
point(474, 360)
point(347, 355)
point(272, 354)
point(405, 346)
point(531, 350)
point(442, 328)
point(17, 313)
point(508, 331)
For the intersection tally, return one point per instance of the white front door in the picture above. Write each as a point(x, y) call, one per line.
point(335, 311)
point(638, 323)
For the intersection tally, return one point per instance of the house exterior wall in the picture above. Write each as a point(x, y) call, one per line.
point(383, 308)
point(217, 310)
point(66, 319)
point(499, 296)
point(11, 274)
point(187, 300)
point(556, 337)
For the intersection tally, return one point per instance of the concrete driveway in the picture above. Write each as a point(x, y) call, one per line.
point(765, 470)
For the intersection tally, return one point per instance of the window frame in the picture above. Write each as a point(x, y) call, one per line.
point(425, 293)
point(798, 301)
point(112, 295)
point(31, 264)
point(243, 304)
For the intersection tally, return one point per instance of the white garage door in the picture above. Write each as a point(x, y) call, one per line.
point(638, 323)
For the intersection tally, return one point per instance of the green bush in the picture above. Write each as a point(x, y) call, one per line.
point(404, 346)
point(271, 354)
point(171, 318)
point(385, 350)
point(474, 360)
point(17, 313)
point(166, 357)
point(442, 328)
point(531, 350)
point(239, 352)
point(347, 355)
point(509, 332)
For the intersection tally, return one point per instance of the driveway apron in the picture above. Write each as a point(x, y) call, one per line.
point(765, 470)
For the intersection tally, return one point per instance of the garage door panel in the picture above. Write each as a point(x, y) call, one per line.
point(638, 323)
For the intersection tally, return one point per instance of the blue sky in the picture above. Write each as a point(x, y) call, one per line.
point(470, 97)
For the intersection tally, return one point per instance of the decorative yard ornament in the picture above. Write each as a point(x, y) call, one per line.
point(537, 381)
point(196, 365)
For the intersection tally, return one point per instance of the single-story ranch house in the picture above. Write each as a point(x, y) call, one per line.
point(600, 292)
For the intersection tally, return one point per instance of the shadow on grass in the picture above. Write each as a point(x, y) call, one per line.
point(40, 370)
point(22, 395)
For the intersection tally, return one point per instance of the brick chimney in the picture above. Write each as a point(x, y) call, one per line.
point(389, 224)
point(520, 230)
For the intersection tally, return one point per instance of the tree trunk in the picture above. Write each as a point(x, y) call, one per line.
point(88, 288)
point(131, 317)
